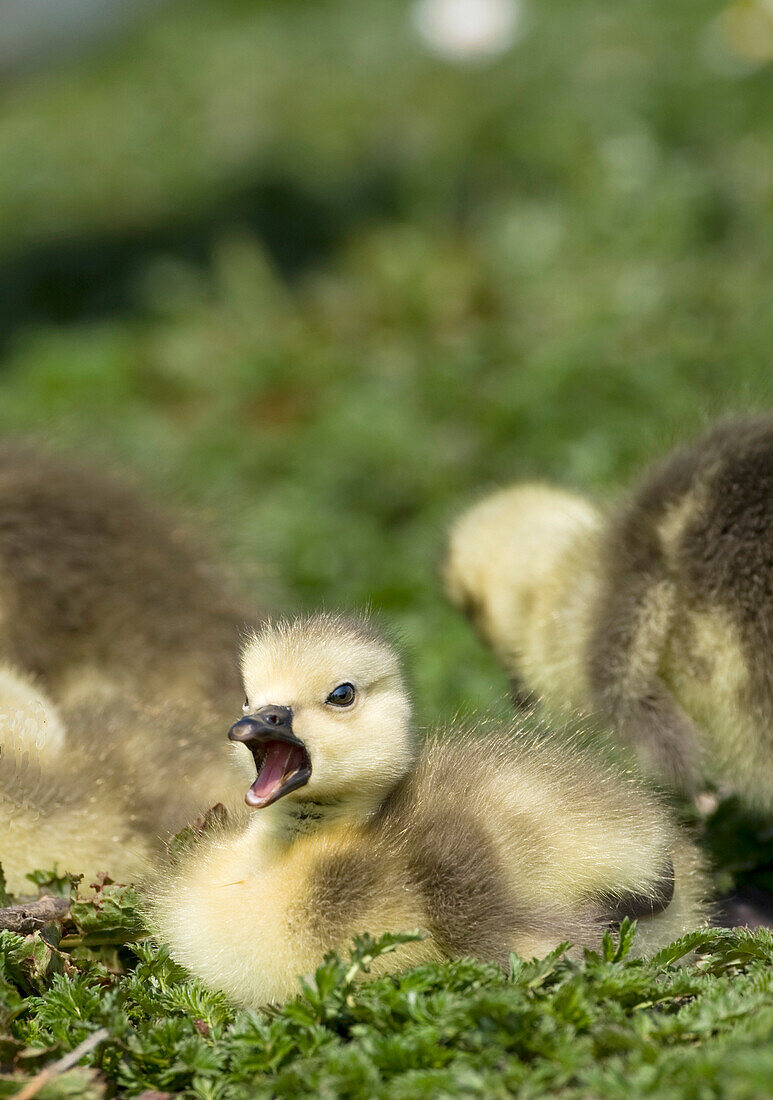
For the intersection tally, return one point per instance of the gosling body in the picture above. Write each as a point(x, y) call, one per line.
point(54, 811)
point(99, 589)
point(488, 842)
point(78, 799)
point(117, 632)
point(657, 618)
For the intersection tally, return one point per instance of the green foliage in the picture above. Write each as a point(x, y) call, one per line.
point(4, 895)
point(111, 915)
point(550, 1027)
point(51, 882)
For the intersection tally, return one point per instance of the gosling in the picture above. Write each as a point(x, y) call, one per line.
point(48, 816)
point(115, 616)
point(657, 619)
point(100, 592)
point(488, 843)
point(84, 798)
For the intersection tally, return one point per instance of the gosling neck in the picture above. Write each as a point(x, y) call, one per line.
point(292, 819)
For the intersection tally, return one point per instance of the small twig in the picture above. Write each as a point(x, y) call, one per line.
point(32, 916)
point(33, 1087)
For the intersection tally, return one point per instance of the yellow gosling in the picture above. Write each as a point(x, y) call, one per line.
point(488, 842)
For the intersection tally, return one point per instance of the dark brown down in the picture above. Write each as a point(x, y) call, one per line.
point(90, 575)
point(427, 840)
point(722, 559)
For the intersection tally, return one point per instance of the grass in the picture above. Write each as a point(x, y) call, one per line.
point(322, 289)
point(609, 1026)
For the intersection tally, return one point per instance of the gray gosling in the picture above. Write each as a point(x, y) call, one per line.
point(490, 843)
point(125, 641)
point(658, 618)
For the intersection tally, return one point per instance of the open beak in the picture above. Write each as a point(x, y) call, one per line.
point(282, 761)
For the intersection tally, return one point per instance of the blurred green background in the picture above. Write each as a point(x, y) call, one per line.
point(324, 282)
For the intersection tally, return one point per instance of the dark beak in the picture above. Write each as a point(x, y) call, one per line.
point(281, 760)
point(267, 724)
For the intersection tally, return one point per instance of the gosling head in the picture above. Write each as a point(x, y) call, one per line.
point(501, 552)
point(327, 716)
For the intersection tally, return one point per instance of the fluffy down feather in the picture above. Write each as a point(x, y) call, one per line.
point(490, 842)
point(658, 618)
point(120, 642)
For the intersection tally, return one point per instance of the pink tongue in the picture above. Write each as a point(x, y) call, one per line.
point(279, 763)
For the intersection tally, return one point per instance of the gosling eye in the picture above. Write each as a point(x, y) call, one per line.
point(342, 696)
point(246, 706)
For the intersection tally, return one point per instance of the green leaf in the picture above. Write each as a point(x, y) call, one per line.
point(615, 951)
point(5, 897)
point(51, 882)
point(111, 916)
point(535, 972)
point(679, 949)
point(29, 961)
